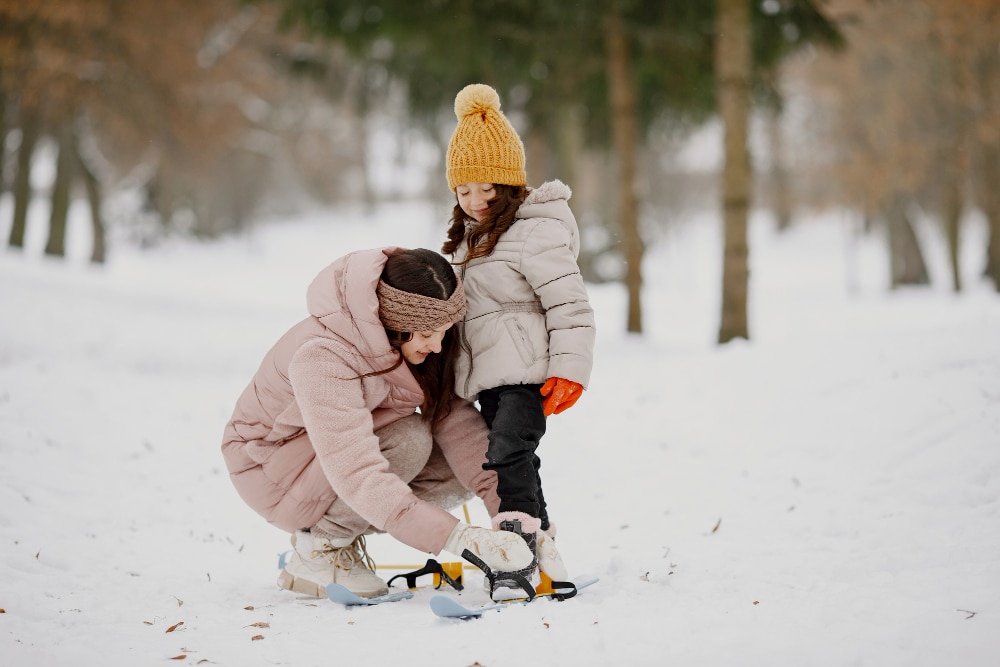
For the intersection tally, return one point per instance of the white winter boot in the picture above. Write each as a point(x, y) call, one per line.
point(318, 561)
point(511, 584)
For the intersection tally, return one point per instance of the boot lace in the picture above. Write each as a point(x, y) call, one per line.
point(347, 557)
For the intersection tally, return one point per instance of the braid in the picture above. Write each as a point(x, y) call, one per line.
point(456, 231)
point(483, 238)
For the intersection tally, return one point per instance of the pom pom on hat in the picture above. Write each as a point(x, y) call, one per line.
point(476, 98)
point(485, 147)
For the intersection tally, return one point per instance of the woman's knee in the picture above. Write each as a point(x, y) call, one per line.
point(406, 443)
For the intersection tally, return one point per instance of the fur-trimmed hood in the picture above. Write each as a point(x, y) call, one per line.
point(548, 191)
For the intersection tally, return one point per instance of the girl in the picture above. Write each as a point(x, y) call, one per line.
point(326, 443)
point(527, 338)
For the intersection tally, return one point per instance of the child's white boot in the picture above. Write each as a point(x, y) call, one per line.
point(518, 583)
point(318, 561)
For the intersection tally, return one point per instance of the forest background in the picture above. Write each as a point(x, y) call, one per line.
point(203, 118)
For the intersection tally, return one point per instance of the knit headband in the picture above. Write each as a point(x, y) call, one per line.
point(409, 312)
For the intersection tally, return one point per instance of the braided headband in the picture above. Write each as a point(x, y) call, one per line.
point(409, 312)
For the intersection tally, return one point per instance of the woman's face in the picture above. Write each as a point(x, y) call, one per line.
point(423, 343)
point(474, 198)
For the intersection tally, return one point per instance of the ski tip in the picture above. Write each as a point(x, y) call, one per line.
point(445, 607)
point(342, 595)
point(339, 593)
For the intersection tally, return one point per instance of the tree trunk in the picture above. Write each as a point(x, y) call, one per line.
point(732, 66)
point(3, 137)
point(98, 252)
point(952, 214)
point(990, 196)
point(536, 151)
point(570, 142)
point(623, 132)
point(780, 199)
point(56, 245)
point(906, 260)
point(30, 129)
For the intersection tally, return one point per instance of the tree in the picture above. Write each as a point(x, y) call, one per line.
point(733, 67)
point(598, 65)
point(65, 164)
point(990, 176)
point(30, 129)
point(186, 97)
point(907, 124)
point(623, 103)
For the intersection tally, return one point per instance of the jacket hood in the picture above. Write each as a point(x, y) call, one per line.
point(548, 191)
point(549, 200)
point(342, 297)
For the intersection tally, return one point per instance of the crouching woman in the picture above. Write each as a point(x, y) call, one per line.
point(327, 443)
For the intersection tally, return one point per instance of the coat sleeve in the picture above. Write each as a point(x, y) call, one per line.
point(463, 438)
point(549, 265)
point(340, 426)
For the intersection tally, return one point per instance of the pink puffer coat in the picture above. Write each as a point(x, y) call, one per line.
point(302, 433)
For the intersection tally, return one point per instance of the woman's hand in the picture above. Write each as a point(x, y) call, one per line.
point(501, 550)
point(562, 394)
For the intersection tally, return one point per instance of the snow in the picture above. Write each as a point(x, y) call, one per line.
point(825, 494)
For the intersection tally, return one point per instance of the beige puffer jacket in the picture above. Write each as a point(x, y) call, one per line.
point(302, 433)
point(529, 317)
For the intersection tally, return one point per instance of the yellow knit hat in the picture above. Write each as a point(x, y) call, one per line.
point(484, 148)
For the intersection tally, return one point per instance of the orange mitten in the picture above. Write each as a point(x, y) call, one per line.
point(562, 394)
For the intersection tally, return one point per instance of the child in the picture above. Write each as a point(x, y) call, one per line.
point(528, 336)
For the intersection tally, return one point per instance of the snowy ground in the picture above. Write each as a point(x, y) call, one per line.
point(828, 494)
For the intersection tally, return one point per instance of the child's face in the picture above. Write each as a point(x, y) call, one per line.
point(474, 198)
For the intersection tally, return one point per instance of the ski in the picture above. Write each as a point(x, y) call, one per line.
point(339, 594)
point(446, 607)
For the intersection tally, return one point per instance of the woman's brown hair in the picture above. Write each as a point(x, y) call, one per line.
point(427, 273)
point(483, 237)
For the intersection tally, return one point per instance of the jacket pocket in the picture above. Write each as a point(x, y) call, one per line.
point(522, 343)
point(255, 436)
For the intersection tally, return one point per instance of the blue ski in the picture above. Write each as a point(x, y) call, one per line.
point(447, 607)
point(339, 594)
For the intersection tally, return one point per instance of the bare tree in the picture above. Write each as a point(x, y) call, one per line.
point(195, 98)
point(904, 123)
point(65, 167)
point(990, 199)
point(733, 68)
point(91, 182)
point(30, 128)
point(906, 259)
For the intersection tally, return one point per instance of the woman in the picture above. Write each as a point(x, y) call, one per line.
point(326, 441)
